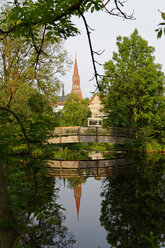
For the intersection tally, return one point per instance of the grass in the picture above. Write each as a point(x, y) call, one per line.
point(71, 151)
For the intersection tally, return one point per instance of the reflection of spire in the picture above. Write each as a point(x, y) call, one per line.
point(77, 196)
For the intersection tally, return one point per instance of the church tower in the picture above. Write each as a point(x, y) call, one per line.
point(76, 81)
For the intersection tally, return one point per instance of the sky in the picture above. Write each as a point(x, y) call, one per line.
point(106, 29)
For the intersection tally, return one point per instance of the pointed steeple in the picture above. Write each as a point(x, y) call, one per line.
point(76, 81)
point(75, 73)
point(77, 196)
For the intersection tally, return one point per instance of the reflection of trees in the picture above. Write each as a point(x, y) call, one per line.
point(47, 229)
point(33, 204)
point(73, 182)
point(133, 208)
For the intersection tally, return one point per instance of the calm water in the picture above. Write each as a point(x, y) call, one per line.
point(86, 228)
point(118, 202)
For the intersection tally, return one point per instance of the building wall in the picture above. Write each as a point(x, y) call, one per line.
point(96, 109)
point(95, 106)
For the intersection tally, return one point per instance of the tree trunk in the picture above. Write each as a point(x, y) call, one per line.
point(7, 234)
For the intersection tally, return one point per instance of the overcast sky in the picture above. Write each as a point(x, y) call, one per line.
point(107, 28)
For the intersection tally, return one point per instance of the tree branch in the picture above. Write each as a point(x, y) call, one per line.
point(41, 46)
point(119, 12)
point(91, 49)
point(11, 70)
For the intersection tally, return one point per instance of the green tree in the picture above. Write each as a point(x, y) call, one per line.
point(17, 66)
point(27, 91)
point(133, 87)
point(27, 18)
point(76, 111)
point(37, 22)
point(31, 120)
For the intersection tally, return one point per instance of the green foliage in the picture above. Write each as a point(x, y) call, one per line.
point(36, 103)
point(83, 146)
point(28, 18)
point(152, 146)
point(133, 88)
point(152, 240)
point(53, 63)
point(36, 115)
point(74, 182)
point(26, 89)
point(66, 154)
point(79, 151)
point(161, 28)
point(76, 111)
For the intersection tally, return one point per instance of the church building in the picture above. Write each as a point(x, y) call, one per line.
point(61, 100)
point(95, 102)
point(76, 81)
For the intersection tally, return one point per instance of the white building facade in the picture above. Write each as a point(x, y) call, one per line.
point(96, 109)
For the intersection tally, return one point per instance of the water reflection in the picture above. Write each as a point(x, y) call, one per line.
point(77, 172)
point(96, 155)
point(133, 196)
point(31, 212)
point(127, 197)
point(133, 206)
point(91, 168)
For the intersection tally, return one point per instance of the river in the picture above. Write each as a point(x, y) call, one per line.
point(100, 203)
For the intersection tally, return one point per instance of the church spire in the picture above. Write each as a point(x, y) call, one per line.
point(76, 81)
point(75, 73)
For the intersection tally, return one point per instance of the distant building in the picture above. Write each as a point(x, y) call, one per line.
point(61, 100)
point(96, 109)
point(76, 81)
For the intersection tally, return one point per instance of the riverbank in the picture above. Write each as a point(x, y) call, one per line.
point(74, 150)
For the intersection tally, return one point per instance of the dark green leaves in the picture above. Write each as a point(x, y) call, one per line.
point(28, 18)
point(161, 28)
point(159, 33)
point(92, 9)
point(163, 15)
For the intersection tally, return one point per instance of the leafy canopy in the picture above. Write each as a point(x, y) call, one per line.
point(76, 111)
point(27, 18)
point(133, 85)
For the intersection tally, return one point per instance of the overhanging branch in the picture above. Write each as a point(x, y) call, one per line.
point(91, 49)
